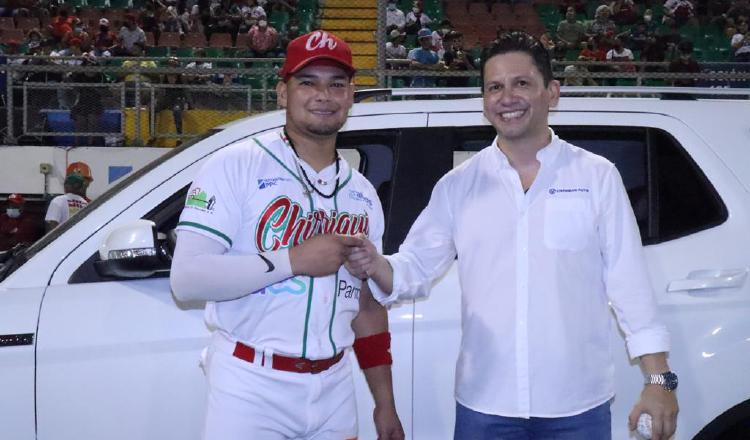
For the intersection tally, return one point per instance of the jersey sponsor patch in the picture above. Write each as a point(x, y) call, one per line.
point(200, 200)
point(360, 197)
point(284, 224)
point(272, 181)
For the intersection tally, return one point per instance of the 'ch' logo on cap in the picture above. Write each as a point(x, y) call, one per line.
point(319, 40)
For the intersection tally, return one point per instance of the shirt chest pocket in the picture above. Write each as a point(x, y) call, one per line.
point(568, 224)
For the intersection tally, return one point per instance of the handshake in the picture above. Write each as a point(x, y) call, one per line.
point(322, 255)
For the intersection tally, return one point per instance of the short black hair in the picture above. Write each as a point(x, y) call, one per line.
point(519, 41)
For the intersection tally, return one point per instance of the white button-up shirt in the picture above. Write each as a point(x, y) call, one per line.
point(538, 272)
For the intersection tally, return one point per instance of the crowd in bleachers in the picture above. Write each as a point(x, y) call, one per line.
point(680, 34)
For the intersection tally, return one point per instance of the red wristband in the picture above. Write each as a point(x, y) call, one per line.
point(373, 350)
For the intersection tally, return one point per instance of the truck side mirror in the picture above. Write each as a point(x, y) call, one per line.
point(132, 251)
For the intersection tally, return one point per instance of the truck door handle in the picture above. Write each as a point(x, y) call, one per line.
point(709, 279)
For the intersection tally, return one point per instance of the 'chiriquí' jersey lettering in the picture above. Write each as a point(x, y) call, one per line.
point(282, 224)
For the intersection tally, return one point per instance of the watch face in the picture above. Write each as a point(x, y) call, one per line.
point(670, 380)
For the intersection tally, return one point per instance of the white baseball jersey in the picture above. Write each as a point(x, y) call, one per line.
point(252, 197)
point(63, 206)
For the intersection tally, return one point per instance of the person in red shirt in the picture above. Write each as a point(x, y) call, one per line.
point(61, 25)
point(16, 226)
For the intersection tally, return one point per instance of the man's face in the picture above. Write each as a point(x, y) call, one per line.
point(317, 99)
point(570, 15)
point(426, 42)
point(516, 102)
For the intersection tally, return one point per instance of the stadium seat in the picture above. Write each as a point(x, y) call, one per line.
point(220, 40)
point(27, 23)
point(194, 40)
point(8, 35)
point(157, 51)
point(7, 23)
point(150, 39)
point(119, 4)
point(169, 39)
point(213, 52)
point(183, 52)
point(243, 41)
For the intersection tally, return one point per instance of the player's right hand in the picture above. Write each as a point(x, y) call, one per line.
point(361, 262)
point(322, 255)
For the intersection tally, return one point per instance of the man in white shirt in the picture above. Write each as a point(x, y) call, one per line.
point(395, 17)
point(62, 207)
point(537, 279)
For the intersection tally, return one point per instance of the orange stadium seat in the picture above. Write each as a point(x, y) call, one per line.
point(27, 23)
point(7, 23)
point(243, 41)
point(194, 39)
point(169, 39)
point(220, 40)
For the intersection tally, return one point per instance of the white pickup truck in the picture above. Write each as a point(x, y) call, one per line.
point(94, 346)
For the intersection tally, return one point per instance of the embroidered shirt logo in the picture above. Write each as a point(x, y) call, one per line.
point(554, 191)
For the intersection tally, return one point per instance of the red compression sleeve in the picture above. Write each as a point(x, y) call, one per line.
point(373, 350)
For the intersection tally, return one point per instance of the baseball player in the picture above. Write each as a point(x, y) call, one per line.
point(267, 225)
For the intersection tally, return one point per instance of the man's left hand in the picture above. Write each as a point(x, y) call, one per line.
point(662, 406)
point(387, 424)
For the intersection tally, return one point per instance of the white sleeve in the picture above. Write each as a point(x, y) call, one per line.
point(625, 274)
point(202, 271)
point(426, 253)
point(54, 211)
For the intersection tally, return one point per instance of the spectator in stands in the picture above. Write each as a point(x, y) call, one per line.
point(424, 58)
point(202, 71)
point(291, 32)
point(579, 6)
point(437, 37)
point(132, 77)
point(577, 76)
point(34, 38)
point(105, 39)
point(602, 26)
point(739, 9)
point(171, 20)
point(62, 207)
point(570, 32)
point(456, 59)
point(89, 107)
point(395, 49)
point(416, 20)
point(648, 19)
point(263, 39)
point(77, 37)
point(17, 226)
point(678, 12)
point(256, 10)
point(741, 43)
point(150, 21)
point(655, 51)
point(684, 64)
point(175, 99)
point(638, 36)
point(591, 51)
point(624, 12)
point(395, 16)
point(622, 57)
point(131, 37)
point(61, 24)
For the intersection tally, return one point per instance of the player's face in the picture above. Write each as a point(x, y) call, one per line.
point(516, 102)
point(317, 99)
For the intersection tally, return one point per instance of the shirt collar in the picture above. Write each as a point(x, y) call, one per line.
point(545, 156)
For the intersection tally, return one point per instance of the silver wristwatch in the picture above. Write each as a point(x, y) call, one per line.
point(667, 380)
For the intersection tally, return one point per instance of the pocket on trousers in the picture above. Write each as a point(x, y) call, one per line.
point(568, 224)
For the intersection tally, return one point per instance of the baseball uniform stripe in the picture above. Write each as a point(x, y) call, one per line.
point(206, 228)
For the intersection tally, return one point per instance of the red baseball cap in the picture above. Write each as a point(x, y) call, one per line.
point(16, 199)
point(316, 46)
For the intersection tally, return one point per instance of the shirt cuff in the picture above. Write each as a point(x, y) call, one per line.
point(654, 340)
point(381, 296)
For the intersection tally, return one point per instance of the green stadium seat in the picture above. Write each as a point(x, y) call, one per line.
point(183, 52)
point(213, 52)
point(157, 51)
point(96, 3)
point(119, 4)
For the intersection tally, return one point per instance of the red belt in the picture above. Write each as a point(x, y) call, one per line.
point(284, 363)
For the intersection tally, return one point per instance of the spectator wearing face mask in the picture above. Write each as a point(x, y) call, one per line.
point(264, 39)
point(395, 17)
point(416, 20)
point(16, 226)
point(77, 37)
point(61, 24)
point(438, 35)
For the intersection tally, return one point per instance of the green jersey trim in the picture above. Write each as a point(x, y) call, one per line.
point(206, 228)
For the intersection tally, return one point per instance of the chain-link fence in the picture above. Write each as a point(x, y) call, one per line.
point(131, 102)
